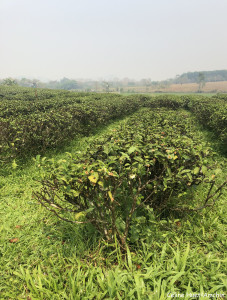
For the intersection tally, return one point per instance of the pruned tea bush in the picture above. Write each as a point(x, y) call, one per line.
point(211, 113)
point(121, 176)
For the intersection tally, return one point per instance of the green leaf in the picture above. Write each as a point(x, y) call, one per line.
point(217, 171)
point(101, 183)
point(129, 258)
point(94, 177)
point(89, 210)
point(131, 149)
point(14, 164)
point(75, 193)
point(196, 170)
point(79, 215)
point(204, 169)
point(64, 179)
point(169, 172)
point(111, 196)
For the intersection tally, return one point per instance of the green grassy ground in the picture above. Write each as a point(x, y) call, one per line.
point(43, 258)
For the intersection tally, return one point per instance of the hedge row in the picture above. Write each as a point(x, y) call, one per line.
point(122, 175)
point(32, 127)
point(212, 114)
point(32, 121)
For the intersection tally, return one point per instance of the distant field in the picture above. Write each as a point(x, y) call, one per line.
point(210, 87)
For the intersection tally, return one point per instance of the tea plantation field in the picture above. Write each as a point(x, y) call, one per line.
point(106, 196)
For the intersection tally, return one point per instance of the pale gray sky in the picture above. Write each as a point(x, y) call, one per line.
point(154, 39)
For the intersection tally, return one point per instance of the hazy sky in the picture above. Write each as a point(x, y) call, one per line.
point(155, 39)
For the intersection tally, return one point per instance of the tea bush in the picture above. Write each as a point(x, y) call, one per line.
point(211, 113)
point(29, 126)
point(34, 120)
point(119, 178)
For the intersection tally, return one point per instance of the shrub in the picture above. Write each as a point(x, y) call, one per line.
point(121, 176)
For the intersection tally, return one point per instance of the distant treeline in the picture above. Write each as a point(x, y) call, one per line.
point(194, 77)
point(64, 83)
point(118, 85)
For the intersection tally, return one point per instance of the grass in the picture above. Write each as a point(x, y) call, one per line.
point(43, 258)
